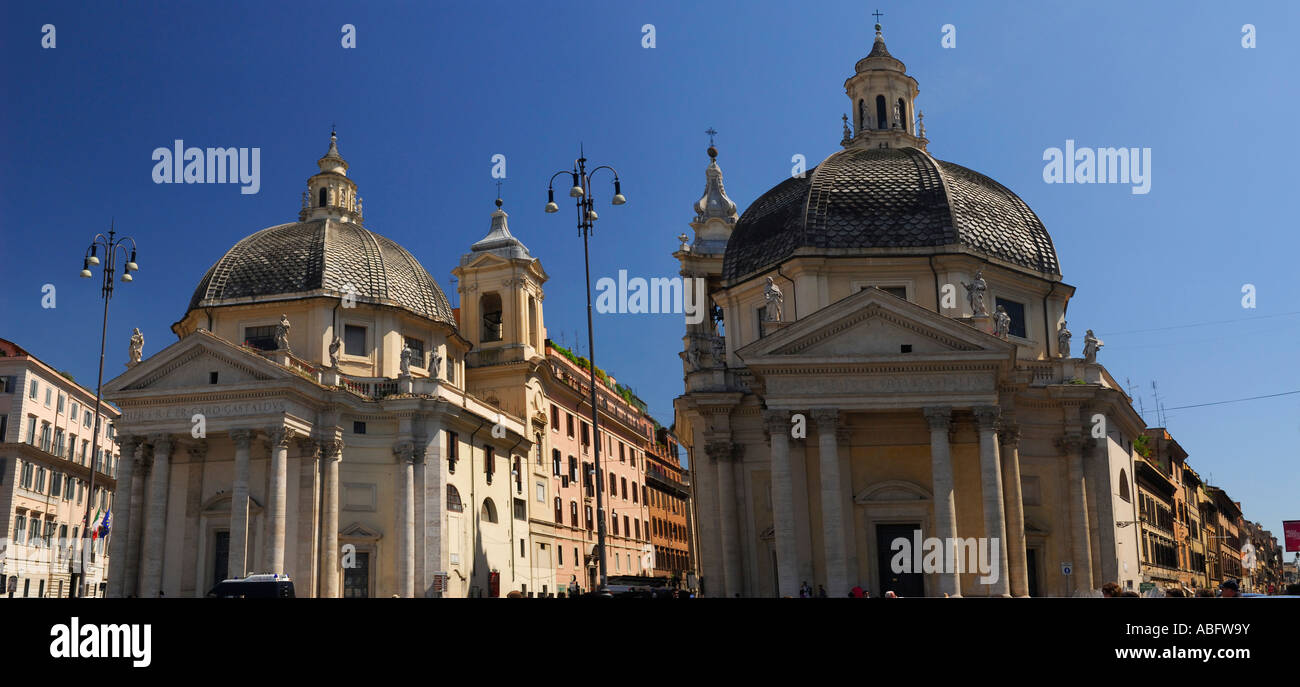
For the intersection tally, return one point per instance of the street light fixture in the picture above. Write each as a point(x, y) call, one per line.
point(113, 248)
point(585, 204)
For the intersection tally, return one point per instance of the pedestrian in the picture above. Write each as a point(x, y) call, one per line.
point(891, 595)
point(1228, 590)
point(856, 592)
point(821, 592)
point(804, 590)
point(1110, 590)
point(1205, 593)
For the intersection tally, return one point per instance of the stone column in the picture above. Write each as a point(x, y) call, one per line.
point(237, 567)
point(123, 503)
point(987, 418)
point(778, 426)
point(1080, 545)
point(708, 546)
point(155, 525)
point(276, 496)
point(945, 510)
point(832, 498)
point(1015, 507)
point(728, 521)
point(136, 513)
point(843, 435)
point(304, 573)
point(332, 453)
point(404, 519)
point(419, 572)
point(191, 581)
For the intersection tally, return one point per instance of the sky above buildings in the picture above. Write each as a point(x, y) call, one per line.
point(432, 91)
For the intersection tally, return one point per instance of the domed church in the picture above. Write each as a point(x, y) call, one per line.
point(327, 415)
point(887, 396)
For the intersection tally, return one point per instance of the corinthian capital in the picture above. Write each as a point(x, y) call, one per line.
point(939, 417)
point(280, 437)
point(404, 450)
point(988, 417)
point(776, 420)
point(243, 438)
point(720, 451)
point(332, 449)
point(1009, 433)
point(827, 419)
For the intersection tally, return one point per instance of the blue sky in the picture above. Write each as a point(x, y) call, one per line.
point(433, 90)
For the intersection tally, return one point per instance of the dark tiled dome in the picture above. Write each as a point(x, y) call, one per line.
point(321, 257)
point(860, 201)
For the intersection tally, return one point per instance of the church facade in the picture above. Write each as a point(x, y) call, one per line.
point(888, 364)
point(326, 414)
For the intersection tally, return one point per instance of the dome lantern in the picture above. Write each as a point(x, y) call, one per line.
point(330, 193)
point(883, 100)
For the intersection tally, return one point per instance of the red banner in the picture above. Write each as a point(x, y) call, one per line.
point(1291, 533)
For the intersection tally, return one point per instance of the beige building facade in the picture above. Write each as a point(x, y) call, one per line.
point(888, 361)
point(47, 425)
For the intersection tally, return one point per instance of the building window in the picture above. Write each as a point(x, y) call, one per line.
point(489, 511)
point(634, 492)
point(573, 469)
point(62, 399)
point(1017, 313)
point(261, 338)
point(541, 492)
point(354, 340)
point(573, 513)
point(85, 418)
point(358, 427)
point(1123, 485)
point(568, 421)
point(614, 524)
point(45, 437)
point(489, 463)
point(555, 418)
point(490, 307)
point(453, 452)
point(636, 527)
point(523, 552)
point(586, 435)
point(627, 525)
point(559, 511)
point(453, 499)
point(625, 490)
point(882, 121)
point(556, 463)
point(590, 521)
point(36, 387)
point(521, 510)
point(613, 484)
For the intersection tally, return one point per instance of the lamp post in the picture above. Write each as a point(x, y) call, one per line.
point(585, 203)
point(113, 247)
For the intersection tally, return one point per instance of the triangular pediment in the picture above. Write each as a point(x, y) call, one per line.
point(872, 324)
point(189, 363)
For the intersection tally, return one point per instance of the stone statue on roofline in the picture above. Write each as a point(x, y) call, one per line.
point(1063, 340)
point(774, 298)
point(1001, 323)
point(1091, 344)
point(405, 359)
point(335, 345)
point(975, 294)
point(435, 364)
point(282, 334)
point(136, 349)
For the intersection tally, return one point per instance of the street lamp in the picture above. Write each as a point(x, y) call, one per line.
point(113, 247)
point(586, 205)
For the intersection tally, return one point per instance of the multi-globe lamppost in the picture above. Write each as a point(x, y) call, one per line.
point(586, 204)
point(113, 248)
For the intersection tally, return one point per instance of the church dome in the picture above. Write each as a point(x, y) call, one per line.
point(887, 201)
point(322, 257)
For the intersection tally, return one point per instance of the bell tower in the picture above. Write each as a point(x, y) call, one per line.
point(500, 287)
point(330, 193)
point(883, 101)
